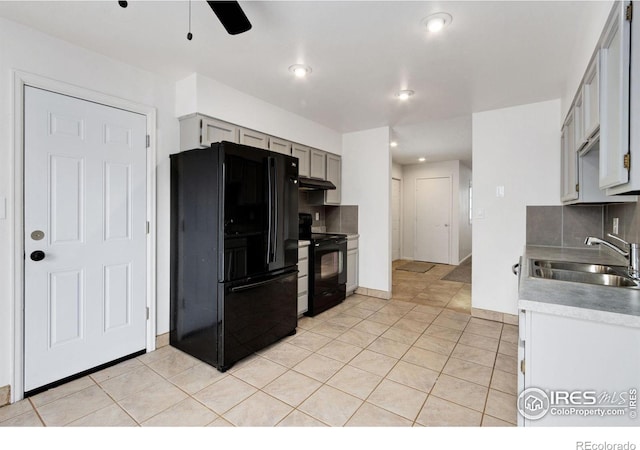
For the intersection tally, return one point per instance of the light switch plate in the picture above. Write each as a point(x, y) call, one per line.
point(615, 225)
point(317, 216)
point(499, 191)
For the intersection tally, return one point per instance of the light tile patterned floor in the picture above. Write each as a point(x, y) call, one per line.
point(419, 359)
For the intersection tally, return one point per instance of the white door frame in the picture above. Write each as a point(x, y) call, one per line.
point(415, 212)
point(20, 79)
point(401, 209)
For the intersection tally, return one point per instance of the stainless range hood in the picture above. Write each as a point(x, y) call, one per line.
point(310, 184)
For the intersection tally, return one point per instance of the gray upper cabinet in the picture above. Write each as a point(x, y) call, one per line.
point(254, 138)
point(197, 130)
point(569, 161)
point(334, 174)
point(614, 99)
point(279, 145)
point(304, 156)
point(591, 99)
point(318, 164)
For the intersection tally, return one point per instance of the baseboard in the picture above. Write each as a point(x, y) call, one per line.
point(5, 395)
point(385, 295)
point(162, 340)
point(496, 316)
point(464, 259)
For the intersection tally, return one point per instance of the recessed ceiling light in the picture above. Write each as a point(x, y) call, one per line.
point(422, 159)
point(436, 22)
point(300, 70)
point(404, 94)
point(393, 144)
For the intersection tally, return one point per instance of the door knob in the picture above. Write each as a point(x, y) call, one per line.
point(38, 255)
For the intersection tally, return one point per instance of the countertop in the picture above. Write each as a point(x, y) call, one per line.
point(618, 306)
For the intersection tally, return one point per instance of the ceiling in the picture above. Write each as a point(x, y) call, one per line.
point(492, 55)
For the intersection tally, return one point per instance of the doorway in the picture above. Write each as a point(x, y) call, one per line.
point(396, 199)
point(433, 220)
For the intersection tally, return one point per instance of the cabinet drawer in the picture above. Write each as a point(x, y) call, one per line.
point(303, 253)
point(303, 303)
point(303, 268)
point(352, 244)
point(303, 284)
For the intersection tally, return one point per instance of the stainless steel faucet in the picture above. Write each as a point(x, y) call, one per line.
point(632, 255)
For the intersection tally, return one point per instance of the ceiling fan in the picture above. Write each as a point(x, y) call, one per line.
point(229, 13)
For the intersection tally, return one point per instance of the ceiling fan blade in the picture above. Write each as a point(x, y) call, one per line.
point(231, 16)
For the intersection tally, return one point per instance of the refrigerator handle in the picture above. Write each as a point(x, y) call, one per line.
point(274, 241)
point(246, 287)
point(270, 206)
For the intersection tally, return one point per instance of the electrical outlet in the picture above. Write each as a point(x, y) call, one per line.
point(615, 225)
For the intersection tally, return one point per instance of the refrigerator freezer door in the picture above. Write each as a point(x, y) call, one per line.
point(257, 314)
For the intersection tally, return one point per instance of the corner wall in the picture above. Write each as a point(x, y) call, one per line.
point(518, 148)
point(366, 182)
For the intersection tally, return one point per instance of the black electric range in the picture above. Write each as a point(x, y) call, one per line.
point(327, 267)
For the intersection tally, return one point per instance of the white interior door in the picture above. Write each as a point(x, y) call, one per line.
point(85, 212)
point(433, 220)
point(395, 218)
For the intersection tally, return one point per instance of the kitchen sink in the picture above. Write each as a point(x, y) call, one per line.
point(602, 275)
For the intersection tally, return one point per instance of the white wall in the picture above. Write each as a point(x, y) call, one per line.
point(27, 50)
point(410, 174)
point(396, 171)
point(518, 148)
point(198, 93)
point(464, 226)
point(366, 182)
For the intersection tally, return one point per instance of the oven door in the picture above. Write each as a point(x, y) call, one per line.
point(329, 274)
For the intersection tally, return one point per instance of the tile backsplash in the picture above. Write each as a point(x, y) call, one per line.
point(564, 226)
point(337, 219)
point(568, 226)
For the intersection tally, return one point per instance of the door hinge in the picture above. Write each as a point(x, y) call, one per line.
point(201, 131)
point(148, 141)
point(522, 366)
point(629, 12)
point(147, 313)
point(577, 187)
point(627, 161)
point(148, 226)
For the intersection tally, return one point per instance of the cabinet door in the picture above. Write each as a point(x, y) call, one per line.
point(254, 138)
point(318, 164)
point(334, 169)
point(280, 146)
point(569, 161)
point(614, 99)
point(591, 99)
point(580, 140)
point(352, 270)
point(212, 131)
point(575, 355)
point(304, 156)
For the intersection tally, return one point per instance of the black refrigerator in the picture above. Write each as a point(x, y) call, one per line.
point(234, 251)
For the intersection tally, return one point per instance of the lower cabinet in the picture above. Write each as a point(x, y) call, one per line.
point(577, 372)
point(352, 264)
point(303, 277)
